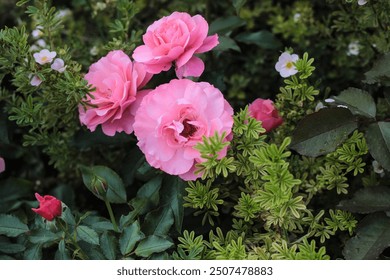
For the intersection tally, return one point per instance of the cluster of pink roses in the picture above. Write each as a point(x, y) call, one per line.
point(171, 119)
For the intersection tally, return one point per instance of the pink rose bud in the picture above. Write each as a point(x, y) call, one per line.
point(264, 110)
point(176, 39)
point(174, 117)
point(49, 207)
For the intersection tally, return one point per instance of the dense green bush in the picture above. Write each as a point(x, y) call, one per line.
point(316, 187)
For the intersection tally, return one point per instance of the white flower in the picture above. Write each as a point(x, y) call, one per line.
point(329, 100)
point(285, 65)
point(94, 51)
point(297, 16)
point(41, 43)
point(377, 167)
point(35, 81)
point(353, 48)
point(63, 13)
point(58, 65)
point(36, 33)
point(44, 56)
point(362, 2)
point(319, 106)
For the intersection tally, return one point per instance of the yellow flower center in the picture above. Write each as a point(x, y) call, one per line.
point(45, 58)
point(289, 65)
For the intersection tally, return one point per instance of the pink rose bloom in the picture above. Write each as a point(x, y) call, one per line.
point(2, 165)
point(176, 38)
point(116, 81)
point(173, 118)
point(264, 110)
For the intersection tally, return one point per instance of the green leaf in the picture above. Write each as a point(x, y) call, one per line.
point(88, 235)
point(172, 195)
point(108, 245)
point(147, 196)
point(368, 200)
point(12, 191)
point(358, 101)
point(42, 236)
point(130, 236)
point(225, 25)
point(237, 4)
point(263, 39)
point(33, 253)
point(104, 183)
point(62, 253)
point(321, 132)
point(158, 222)
point(11, 248)
point(11, 226)
point(152, 244)
point(226, 43)
point(380, 71)
point(378, 141)
point(372, 237)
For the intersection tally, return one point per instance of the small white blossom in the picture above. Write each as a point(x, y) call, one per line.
point(94, 51)
point(58, 65)
point(63, 13)
point(36, 33)
point(377, 167)
point(35, 81)
point(34, 48)
point(329, 100)
point(319, 106)
point(342, 106)
point(353, 48)
point(41, 43)
point(362, 2)
point(44, 56)
point(297, 16)
point(285, 65)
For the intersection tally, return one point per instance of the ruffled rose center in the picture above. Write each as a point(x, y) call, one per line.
point(189, 129)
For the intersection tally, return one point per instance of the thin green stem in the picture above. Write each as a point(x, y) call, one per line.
point(108, 205)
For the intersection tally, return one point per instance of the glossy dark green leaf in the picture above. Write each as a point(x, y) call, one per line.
point(12, 226)
point(108, 245)
point(368, 200)
point(263, 39)
point(152, 244)
point(11, 248)
point(172, 195)
point(33, 253)
point(358, 101)
point(227, 43)
point(159, 221)
point(225, 25)
point(42, 236)
point(13, 190)
point(87, 234)
point(104, 183)
point(372, 237)
point(380, 71)
point(62, 252)
point(238, 4)
point(130, 236)
point(322, 132)
point(378, 141)
point(148, 196)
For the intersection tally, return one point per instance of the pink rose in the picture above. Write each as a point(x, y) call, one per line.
point(116, 81)
point(264, 110)
point(173, 118)
point(176, 38)
point(49, 207)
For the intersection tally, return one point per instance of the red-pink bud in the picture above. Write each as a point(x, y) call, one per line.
point(49, 207)
point(264, 110)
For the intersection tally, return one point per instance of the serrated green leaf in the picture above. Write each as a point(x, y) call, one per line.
point(225, 25)
point(321, 132)
point(87, 234)
point(11, 226)
point(372, 237)
point(11, 248)
point(226, 43)
point(159, 221)
point(172, 195)
point(148, 196)
point(358, 101)
point(108, 245)
point(368, 200)
point(152, 244)
point(378, 141)
point(130, 236)
point(104, 183)
point(33, 253)
point(263, 39)
point(62, 253)
point(380, 71)
point(42, 236)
